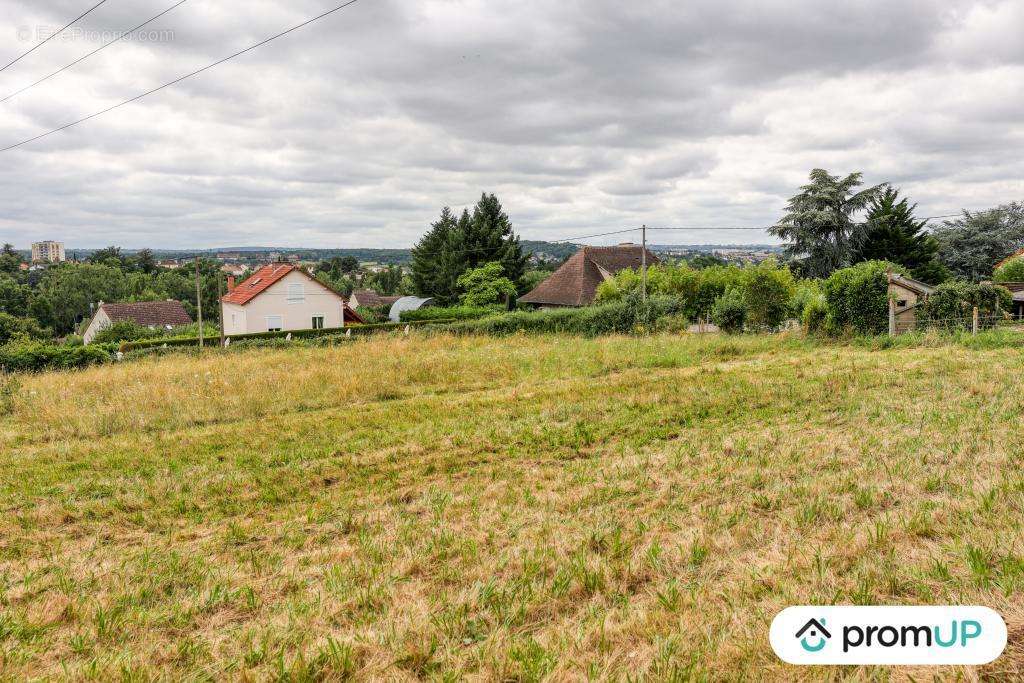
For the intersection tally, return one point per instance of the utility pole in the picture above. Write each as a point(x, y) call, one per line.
point(643, 266)
point(199, 304)
point(220, 295)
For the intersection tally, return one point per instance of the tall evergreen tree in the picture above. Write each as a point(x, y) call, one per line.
point(427, 256)
point(819, 222)
point(453, 246)
point(490, 238)
point(894, 235)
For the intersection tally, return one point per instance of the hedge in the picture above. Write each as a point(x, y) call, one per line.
point(449, 313)
point(38, 356)
point(619, 317)
point(296, 334)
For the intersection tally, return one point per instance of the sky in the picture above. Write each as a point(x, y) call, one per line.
point(583, 116)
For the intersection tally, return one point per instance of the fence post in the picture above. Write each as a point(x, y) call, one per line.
point(974, 322)
point(892, 317)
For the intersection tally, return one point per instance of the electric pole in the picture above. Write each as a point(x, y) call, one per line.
point(643, 266)
point(199, 304)
point(220, 295)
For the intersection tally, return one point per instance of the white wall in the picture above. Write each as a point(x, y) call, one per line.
point(273, 301)
point(99, 322)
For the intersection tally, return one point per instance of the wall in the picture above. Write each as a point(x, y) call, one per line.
point(99, 322)
point(319, 300)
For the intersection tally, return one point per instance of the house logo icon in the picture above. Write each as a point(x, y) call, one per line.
point(815, 632)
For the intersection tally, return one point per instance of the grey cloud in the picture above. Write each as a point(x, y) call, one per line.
point(582, 115)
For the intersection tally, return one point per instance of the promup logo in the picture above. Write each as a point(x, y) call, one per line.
point(816, 632)
point(888, 635)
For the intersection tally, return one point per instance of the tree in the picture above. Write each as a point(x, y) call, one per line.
point(388, 281)
point(453, 246)
point(857, 298)
point(894, 235)
point(729, 311)
point(490, 237)
point(428, 276)
point(106, 256)
point(1011, 271)
point(819, 222)
point(65, 293)
point(14, 329)
point(145, 261)
point(10, 260)
point(486, 285)
point(973, 244)
point(14, 297)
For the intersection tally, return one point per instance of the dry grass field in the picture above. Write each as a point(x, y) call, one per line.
point(501, 509)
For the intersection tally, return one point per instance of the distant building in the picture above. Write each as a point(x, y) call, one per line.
point(48, 252)
point(164, 315)
point(576, 282)
point(234, 269)
point(168, 263)
point(280, 297)
point(367, 298)
point(907, 294)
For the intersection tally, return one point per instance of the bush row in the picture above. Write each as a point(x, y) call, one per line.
point(295, 334)
point(31, 356)
point(624, 316)
point(450, 313)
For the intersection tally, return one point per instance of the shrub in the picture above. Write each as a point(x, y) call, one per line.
point(952, 304)
point(618, 317)
point(857, 298)
point(37, 356)
point(814, 315)
point(14, 329)
point(125, 330)
point(767, 292)
point(1011, 271)
point(486, 285)
point(730, 311)
point(449, 313)
point(805, 293)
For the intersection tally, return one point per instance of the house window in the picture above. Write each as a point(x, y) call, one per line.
point(318, 322)
point(296, 293)
point(901, 303)
point(275, 323)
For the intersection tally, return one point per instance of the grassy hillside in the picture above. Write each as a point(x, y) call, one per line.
point(513, 508)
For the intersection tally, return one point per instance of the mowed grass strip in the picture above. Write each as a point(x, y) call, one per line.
point(520, 509)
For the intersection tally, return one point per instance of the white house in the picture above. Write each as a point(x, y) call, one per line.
point(162, 315)
point(282, 297)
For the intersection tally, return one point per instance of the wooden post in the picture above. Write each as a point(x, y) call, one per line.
point(643, 263)
point(892, 317)
point(974, 322)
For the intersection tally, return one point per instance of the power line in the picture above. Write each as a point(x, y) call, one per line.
point(181, 78)
point(51, 36)
point(119, 38)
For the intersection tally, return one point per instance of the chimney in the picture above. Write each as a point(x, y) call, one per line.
point(231, 282)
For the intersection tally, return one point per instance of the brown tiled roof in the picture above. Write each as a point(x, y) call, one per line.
point(1008, 259)
point(149, 313)
point(576, 282)
point(912, 284)
point(258, 282)
point(371, 299)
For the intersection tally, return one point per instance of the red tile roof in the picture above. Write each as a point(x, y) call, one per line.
point(258, 282)
point(576, 282)
point(149, 313)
